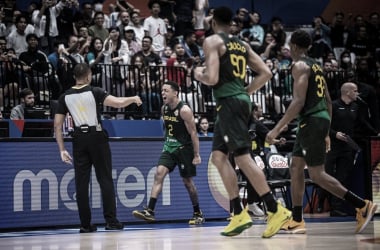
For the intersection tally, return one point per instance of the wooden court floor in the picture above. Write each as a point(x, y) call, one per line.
point(322, 233)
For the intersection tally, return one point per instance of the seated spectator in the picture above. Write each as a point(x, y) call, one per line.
point(254, 34)
point(269, 47)
point(204, 128)
point(27, 101)
point(166, 55)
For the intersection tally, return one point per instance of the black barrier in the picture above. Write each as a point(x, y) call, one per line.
point(129, 80)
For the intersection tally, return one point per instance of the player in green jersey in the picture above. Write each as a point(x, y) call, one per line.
point(311, 103)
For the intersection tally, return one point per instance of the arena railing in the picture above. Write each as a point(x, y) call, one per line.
point(129, 80)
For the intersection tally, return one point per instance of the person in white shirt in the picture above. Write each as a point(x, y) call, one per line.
point(155, 27)
point(137, 27)
point(16, 38)
point(45, 23)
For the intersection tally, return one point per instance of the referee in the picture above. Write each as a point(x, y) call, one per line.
point(90, 144)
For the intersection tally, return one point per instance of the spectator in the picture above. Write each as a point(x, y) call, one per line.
point(150, 57)
point(44, 19)
point(332, 80)
point(35, 65)
point(137, 27)
point(204, 128)
point(97, 29)
point(116, 54)
point(84, 17)
point(373, 29)
point(155, 27)
point(65, 24)
point(27, 101)
point(321, 44)
point(254, 34)
point(95, 59)
point(276, 28)
point(17, 38)
point(166, 12)
point(200, 13)
point(12, 26)
point(190, 46)
point(272, 100)
point(148, 90)
point(124, 22)
point(166, 55)
point(338, 31)
point(269, 47)
point(359, 44)
point(8, 70)
point(184, 13)
point(133, 45)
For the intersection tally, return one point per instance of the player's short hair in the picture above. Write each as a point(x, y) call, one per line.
point(173, 85)
point(223, 15)
point(301, 38)
point(81, 70)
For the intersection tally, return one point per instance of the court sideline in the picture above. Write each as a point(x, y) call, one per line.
point(322, 233)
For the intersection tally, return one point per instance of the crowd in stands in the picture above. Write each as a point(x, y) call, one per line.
point(54, 35)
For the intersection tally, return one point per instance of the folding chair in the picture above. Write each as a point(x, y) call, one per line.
point(278, 176)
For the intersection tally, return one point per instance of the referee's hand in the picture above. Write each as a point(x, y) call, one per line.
point(66, 157)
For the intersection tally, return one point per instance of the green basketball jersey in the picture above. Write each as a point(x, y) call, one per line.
point(176, 134)
point(233, 68)
point(315, 102)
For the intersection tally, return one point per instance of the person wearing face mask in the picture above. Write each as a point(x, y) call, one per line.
point(345, 60)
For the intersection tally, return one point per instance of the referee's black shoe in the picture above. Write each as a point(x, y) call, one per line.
point(115, 225)
point(88, 229)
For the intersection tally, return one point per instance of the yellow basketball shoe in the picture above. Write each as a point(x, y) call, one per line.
point(364, 215)
point(276, 220)
point(294, 227)
point(238, 223)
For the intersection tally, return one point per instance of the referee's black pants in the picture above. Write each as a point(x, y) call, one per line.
point(89, 149)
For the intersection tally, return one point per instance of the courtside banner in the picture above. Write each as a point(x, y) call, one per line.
point(38, 190)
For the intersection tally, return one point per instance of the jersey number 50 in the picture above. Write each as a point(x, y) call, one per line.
point(239, 63)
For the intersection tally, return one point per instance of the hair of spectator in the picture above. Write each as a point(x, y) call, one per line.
point(18, 18)
point(152, 2)
point(25, 92)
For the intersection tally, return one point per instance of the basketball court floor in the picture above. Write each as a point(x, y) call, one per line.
point(323, 232)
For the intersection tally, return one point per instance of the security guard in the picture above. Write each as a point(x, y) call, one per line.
point(90, 144)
